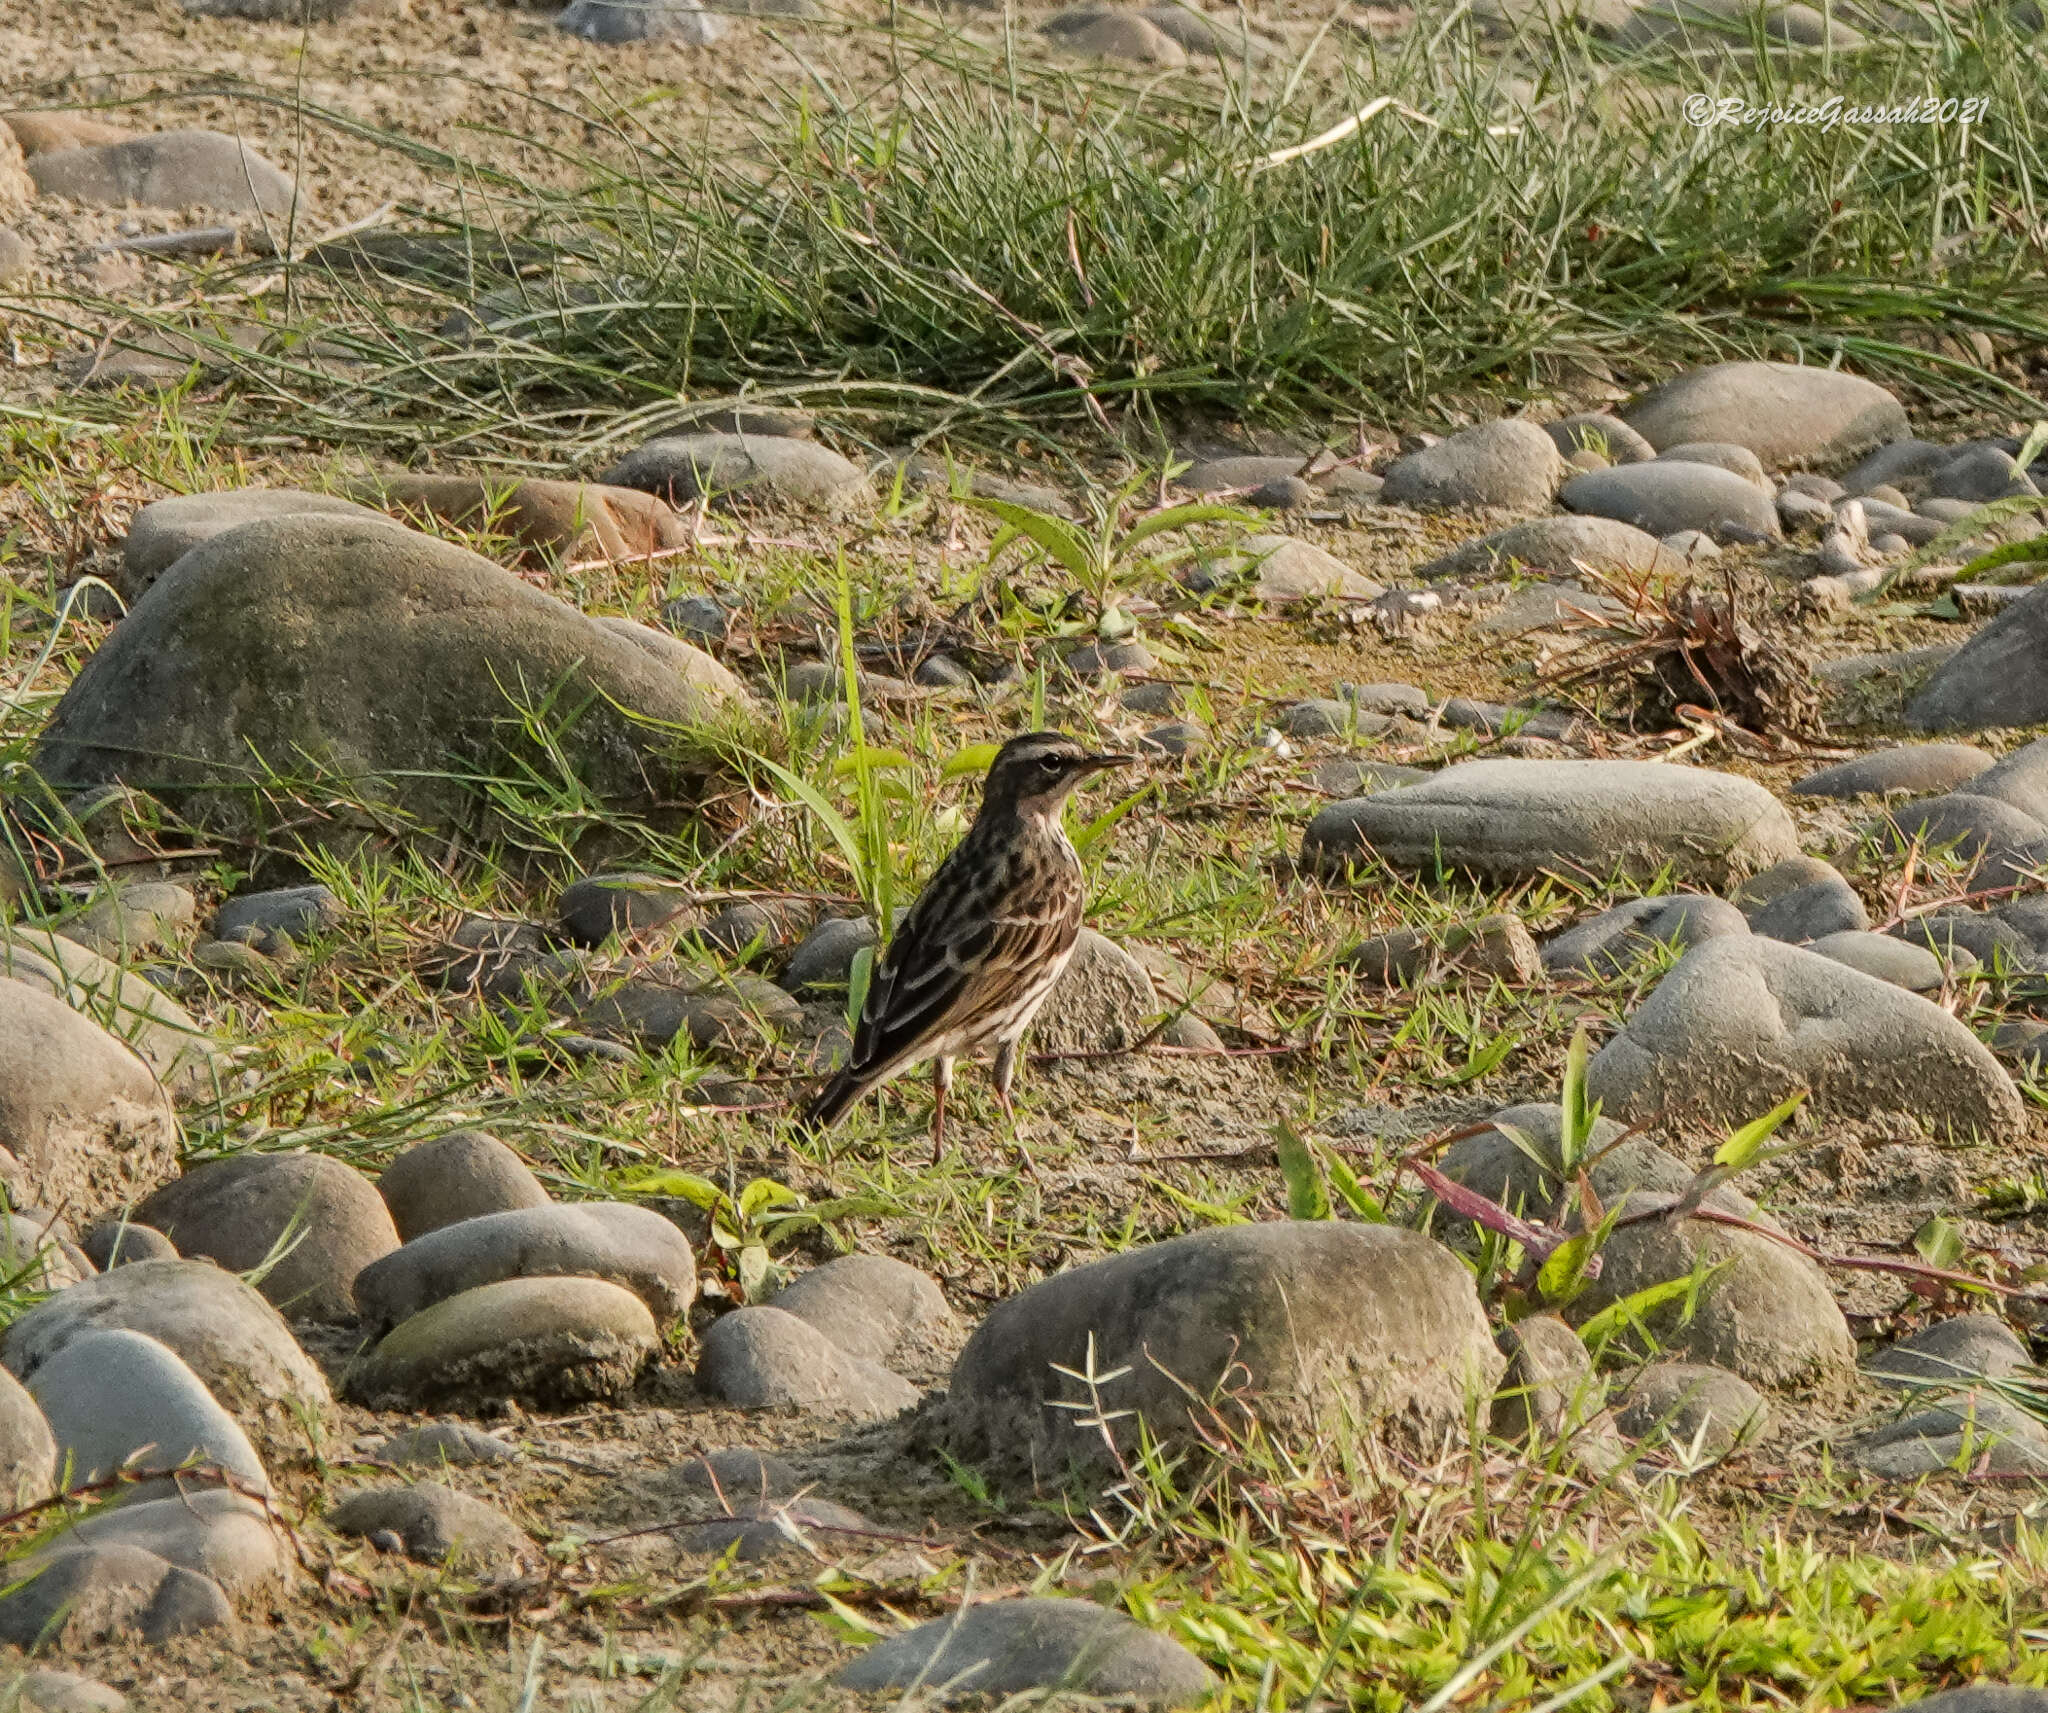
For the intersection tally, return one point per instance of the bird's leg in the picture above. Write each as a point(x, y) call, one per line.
point(942, 1082)
point(1003, 1074)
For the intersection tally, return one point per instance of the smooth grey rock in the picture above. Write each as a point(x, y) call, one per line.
point(1739, 1024)
point(1998, 844)
point(236, 1343)
point(1505, 463)
point(1611, 941)
point(1951, 1354)
point(1766, 1313)
point(765, 1530)
point(1905, 463)
point(631, 1246)
point(1785, 413)
point(462, 1175)
point(133, 920)
point(440, 1443)
point(1095, 661)
point(1912, 967)
point(685, 468)
point(437, 1526)
point(1103, 1001)
point(1803, 513)
point(1924, 769)
point(1594, 431)
point(167, 169)
point(1800, 899)
point(700, 619)
point(45, 1691)
point(549, 1340)
point(373, 651)
point(1997, 678)
point(1995, 944)
point(879, 1309)
point(738, 1474)
point(165, 530)
point(737, 1012)
point(1973, 1431)
point(209, 1531)
point(1346, 778)
point(1396, 1334)
point(1286, 570)
point(766, 1358)
point(1008, 1647)
point(1547, 606)
point(91, 1594)
point(1386, 698)
point(119, 1400)
point(28, 1451)
point(1548, 1387)
point(1979, 474)
point(1516, 819)
point(593, 909)
point(287, 914)
point(1694, 1403)
point(1662, 499)
point(824, 959)
point(769, 926)
point(613, 22)
point(1723, 455)
point(238, 1211)
point(2019, 778)
point(1524, 1171)
point(86, 1118)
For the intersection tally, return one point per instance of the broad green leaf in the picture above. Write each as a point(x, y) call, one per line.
point(974, 759)
point(1306, 1197)
point(1563, 1275)
point(1631, 1311)
point(1213, 1212)
point(667, 1181)
point(754, 1269)
point(857, 979)
point(1059, 540)
point(1940, 1243)
point(1745, 1146)
point(873, 759)
point(1578, 1109)
point(1356, 1196)
point(1181, 517)
point(765, 1193)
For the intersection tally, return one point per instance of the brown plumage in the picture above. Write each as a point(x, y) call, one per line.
point(985, 941)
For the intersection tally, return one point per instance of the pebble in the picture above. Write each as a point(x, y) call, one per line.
point(1693, 1404)
point(766, 927)
point(237, 1211)
point(1977, 1431)
point(550, 1341)
point(445, 1443)
point(879, 1309)
point(943, 672)
point(1613, 941)
point(236, 1343)
point(1102, 1002)
point(1506, 463)
point(287, 915)
point(1978, 474)
point(1009, 1647)
point(119, 1400)
point(593, 909)
point(134, 920)
point(613, 22)
point(631, 1246)
point(1176, 739)
point(1097, 660)
point(1905, 462)
point(1662, 499)
point(28, 1451)
point(1923, 769)
point(92, 1594)
point(542, 521)
point(167, 169)
point(1997, 678)
point(209, 1531)
point(823, 961)
point(1548, 1388)
point(437, 1525)
point(86, 1118)
point(767, 1358)
point(1995, 843)
point(1951, 1353)
point(738, 1474)
point(1912, 967)
point(45, 1691)
point(1347, 778)
point(2019, 778)
point(1785, 413)
point(730, 468)
point(1398, 1333)
point(755, 1532)
point(1288, 571)
point(1110, 34)
point(1739, 1024)
point(1803, 514)
point(739, 1012)
point(1609, 436)
point(1723, 455)
point(460, 1176)
point(1798, 900)
point(1511, 820)
point(699, 619)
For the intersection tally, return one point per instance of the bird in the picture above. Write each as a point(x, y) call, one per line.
point(988, 937)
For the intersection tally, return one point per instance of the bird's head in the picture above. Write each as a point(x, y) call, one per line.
point(1033, 773)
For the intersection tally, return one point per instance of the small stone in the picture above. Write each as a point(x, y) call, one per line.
point(1288, 571)
point(766, 927)
point(1097, 660)
point(1613, 941)
point(1155, 698)
point(1386, 698)
point(238, 1211)
point(1102, 1002)
point(595, 908)
point(462, 1175)
point(290, 913)
point(547, 1340)
point(699, 619)
point(631, 1246)
point(91, 1594)
point(1320, 717)
point(1176, 739)
point(1785, 413)
point(1801, 513)
point(121, 1401)
point(167, 169)
point(1723, 455)
point(613, 22)
point(1980, 474)
point(1923, 769)
point(1661, 499)
point(1393, 959)
point(740, 1474)
point(1283, 494)
point(1609, 436)
point(1995, 944)
point(766, 1358)
point(1798, 900)
point(1548, 1388)
point(233, 961)
point(1008, 1647)
point(1545, 606)
point(1952, 1353)
point(1691, 546)
point(1997, 678)
point(1692, 1404)
point(1974, 1431)
point(876, 1308)
point(1914, 968)
point(1995, 843)
point(1347, 778)
point(28, 1451)
point(733, 468)
point(1111, 34)
point(735, 1013)
point(2019, 778)
point(437, 1525)
point(1739, 1024)
point(60, 1692)
point(1191, 1034)
point(451, 1443)
point(824, 960)
point(762, 1531)
point(1904, 463)
point(943, 672)
point(1506, 463)
point(210, 1531)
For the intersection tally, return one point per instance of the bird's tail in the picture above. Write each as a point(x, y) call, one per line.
point(829, 1104)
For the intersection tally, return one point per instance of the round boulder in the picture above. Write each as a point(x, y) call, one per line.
point(1786, 413)
point(1505, 463)
point(462, 1175)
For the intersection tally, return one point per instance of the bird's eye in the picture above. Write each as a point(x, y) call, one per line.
point(1051, 763)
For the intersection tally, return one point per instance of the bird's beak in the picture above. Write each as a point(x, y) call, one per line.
point(1103, 763)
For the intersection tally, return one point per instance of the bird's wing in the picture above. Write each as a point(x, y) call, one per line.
point(951, 965)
